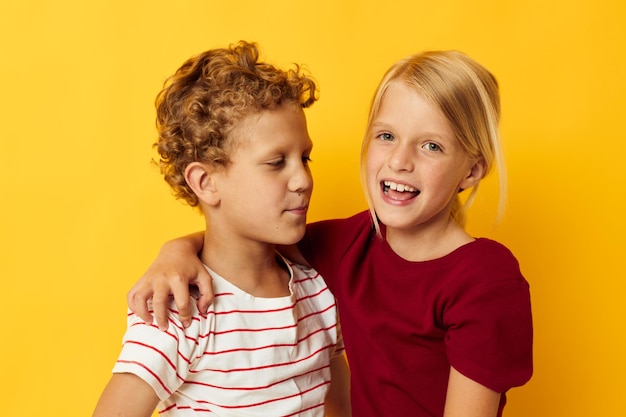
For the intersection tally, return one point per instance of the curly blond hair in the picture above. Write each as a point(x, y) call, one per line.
point(199, 105)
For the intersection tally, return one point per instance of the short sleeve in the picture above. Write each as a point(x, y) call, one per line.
point(489, 336)
point(161, 358)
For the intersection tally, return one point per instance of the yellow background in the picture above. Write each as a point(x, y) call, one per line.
point(83, 212)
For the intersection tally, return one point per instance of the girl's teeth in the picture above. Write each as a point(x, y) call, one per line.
point(398, 187)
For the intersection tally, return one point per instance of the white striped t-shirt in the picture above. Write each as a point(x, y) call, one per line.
point(247, 356)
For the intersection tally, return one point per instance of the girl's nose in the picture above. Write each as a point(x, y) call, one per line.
point(400, 158)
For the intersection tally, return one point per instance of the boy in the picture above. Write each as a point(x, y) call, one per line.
point(233, 141)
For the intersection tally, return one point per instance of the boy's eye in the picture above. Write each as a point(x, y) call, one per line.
point(306, 159)
point(277, 162)
point(432, 147)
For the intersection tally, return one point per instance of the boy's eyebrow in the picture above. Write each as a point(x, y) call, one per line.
point(283, 150)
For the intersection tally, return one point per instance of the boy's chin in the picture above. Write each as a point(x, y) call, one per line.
point(287, 239)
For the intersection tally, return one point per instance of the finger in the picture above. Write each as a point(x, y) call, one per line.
point(182, 300)
point(160, 306)
point(205, 287)
point(138, 303)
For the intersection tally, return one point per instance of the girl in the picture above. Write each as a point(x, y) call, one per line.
point(435, 322)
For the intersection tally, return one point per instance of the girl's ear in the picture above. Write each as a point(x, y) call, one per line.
point(201, 179)
point(475, 174)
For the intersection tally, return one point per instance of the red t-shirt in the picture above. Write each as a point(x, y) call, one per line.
point(405, 323)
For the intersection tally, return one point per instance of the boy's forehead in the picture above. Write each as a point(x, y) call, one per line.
point(283, 125)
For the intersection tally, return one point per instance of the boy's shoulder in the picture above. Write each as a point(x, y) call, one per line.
point(301, 274)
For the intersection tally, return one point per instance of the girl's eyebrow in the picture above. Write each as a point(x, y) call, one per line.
point(380, 124)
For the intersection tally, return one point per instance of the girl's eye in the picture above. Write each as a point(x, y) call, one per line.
point(430, 146)
point(386, 136)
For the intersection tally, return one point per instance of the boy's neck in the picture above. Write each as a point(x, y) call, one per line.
point(254, 267)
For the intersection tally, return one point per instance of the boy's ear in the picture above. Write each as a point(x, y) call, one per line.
point(475, 174)
point(200, 178)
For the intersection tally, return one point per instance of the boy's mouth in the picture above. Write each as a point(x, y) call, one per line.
point(399, 191)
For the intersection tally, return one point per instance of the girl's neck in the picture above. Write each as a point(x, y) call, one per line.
point(427, 243)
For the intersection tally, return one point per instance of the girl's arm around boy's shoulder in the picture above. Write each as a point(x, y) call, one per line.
point(176, 267)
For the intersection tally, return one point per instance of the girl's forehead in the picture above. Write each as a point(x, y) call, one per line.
point(400, 95)
point(403, 104)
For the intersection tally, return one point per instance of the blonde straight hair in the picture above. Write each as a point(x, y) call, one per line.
point(467, 95)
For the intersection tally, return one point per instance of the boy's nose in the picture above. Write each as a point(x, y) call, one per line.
point(302, 180)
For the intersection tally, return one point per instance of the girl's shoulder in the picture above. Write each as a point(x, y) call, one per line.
point(327, 241)
point(335, 231)
point(487, 258)
point(483, 245)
